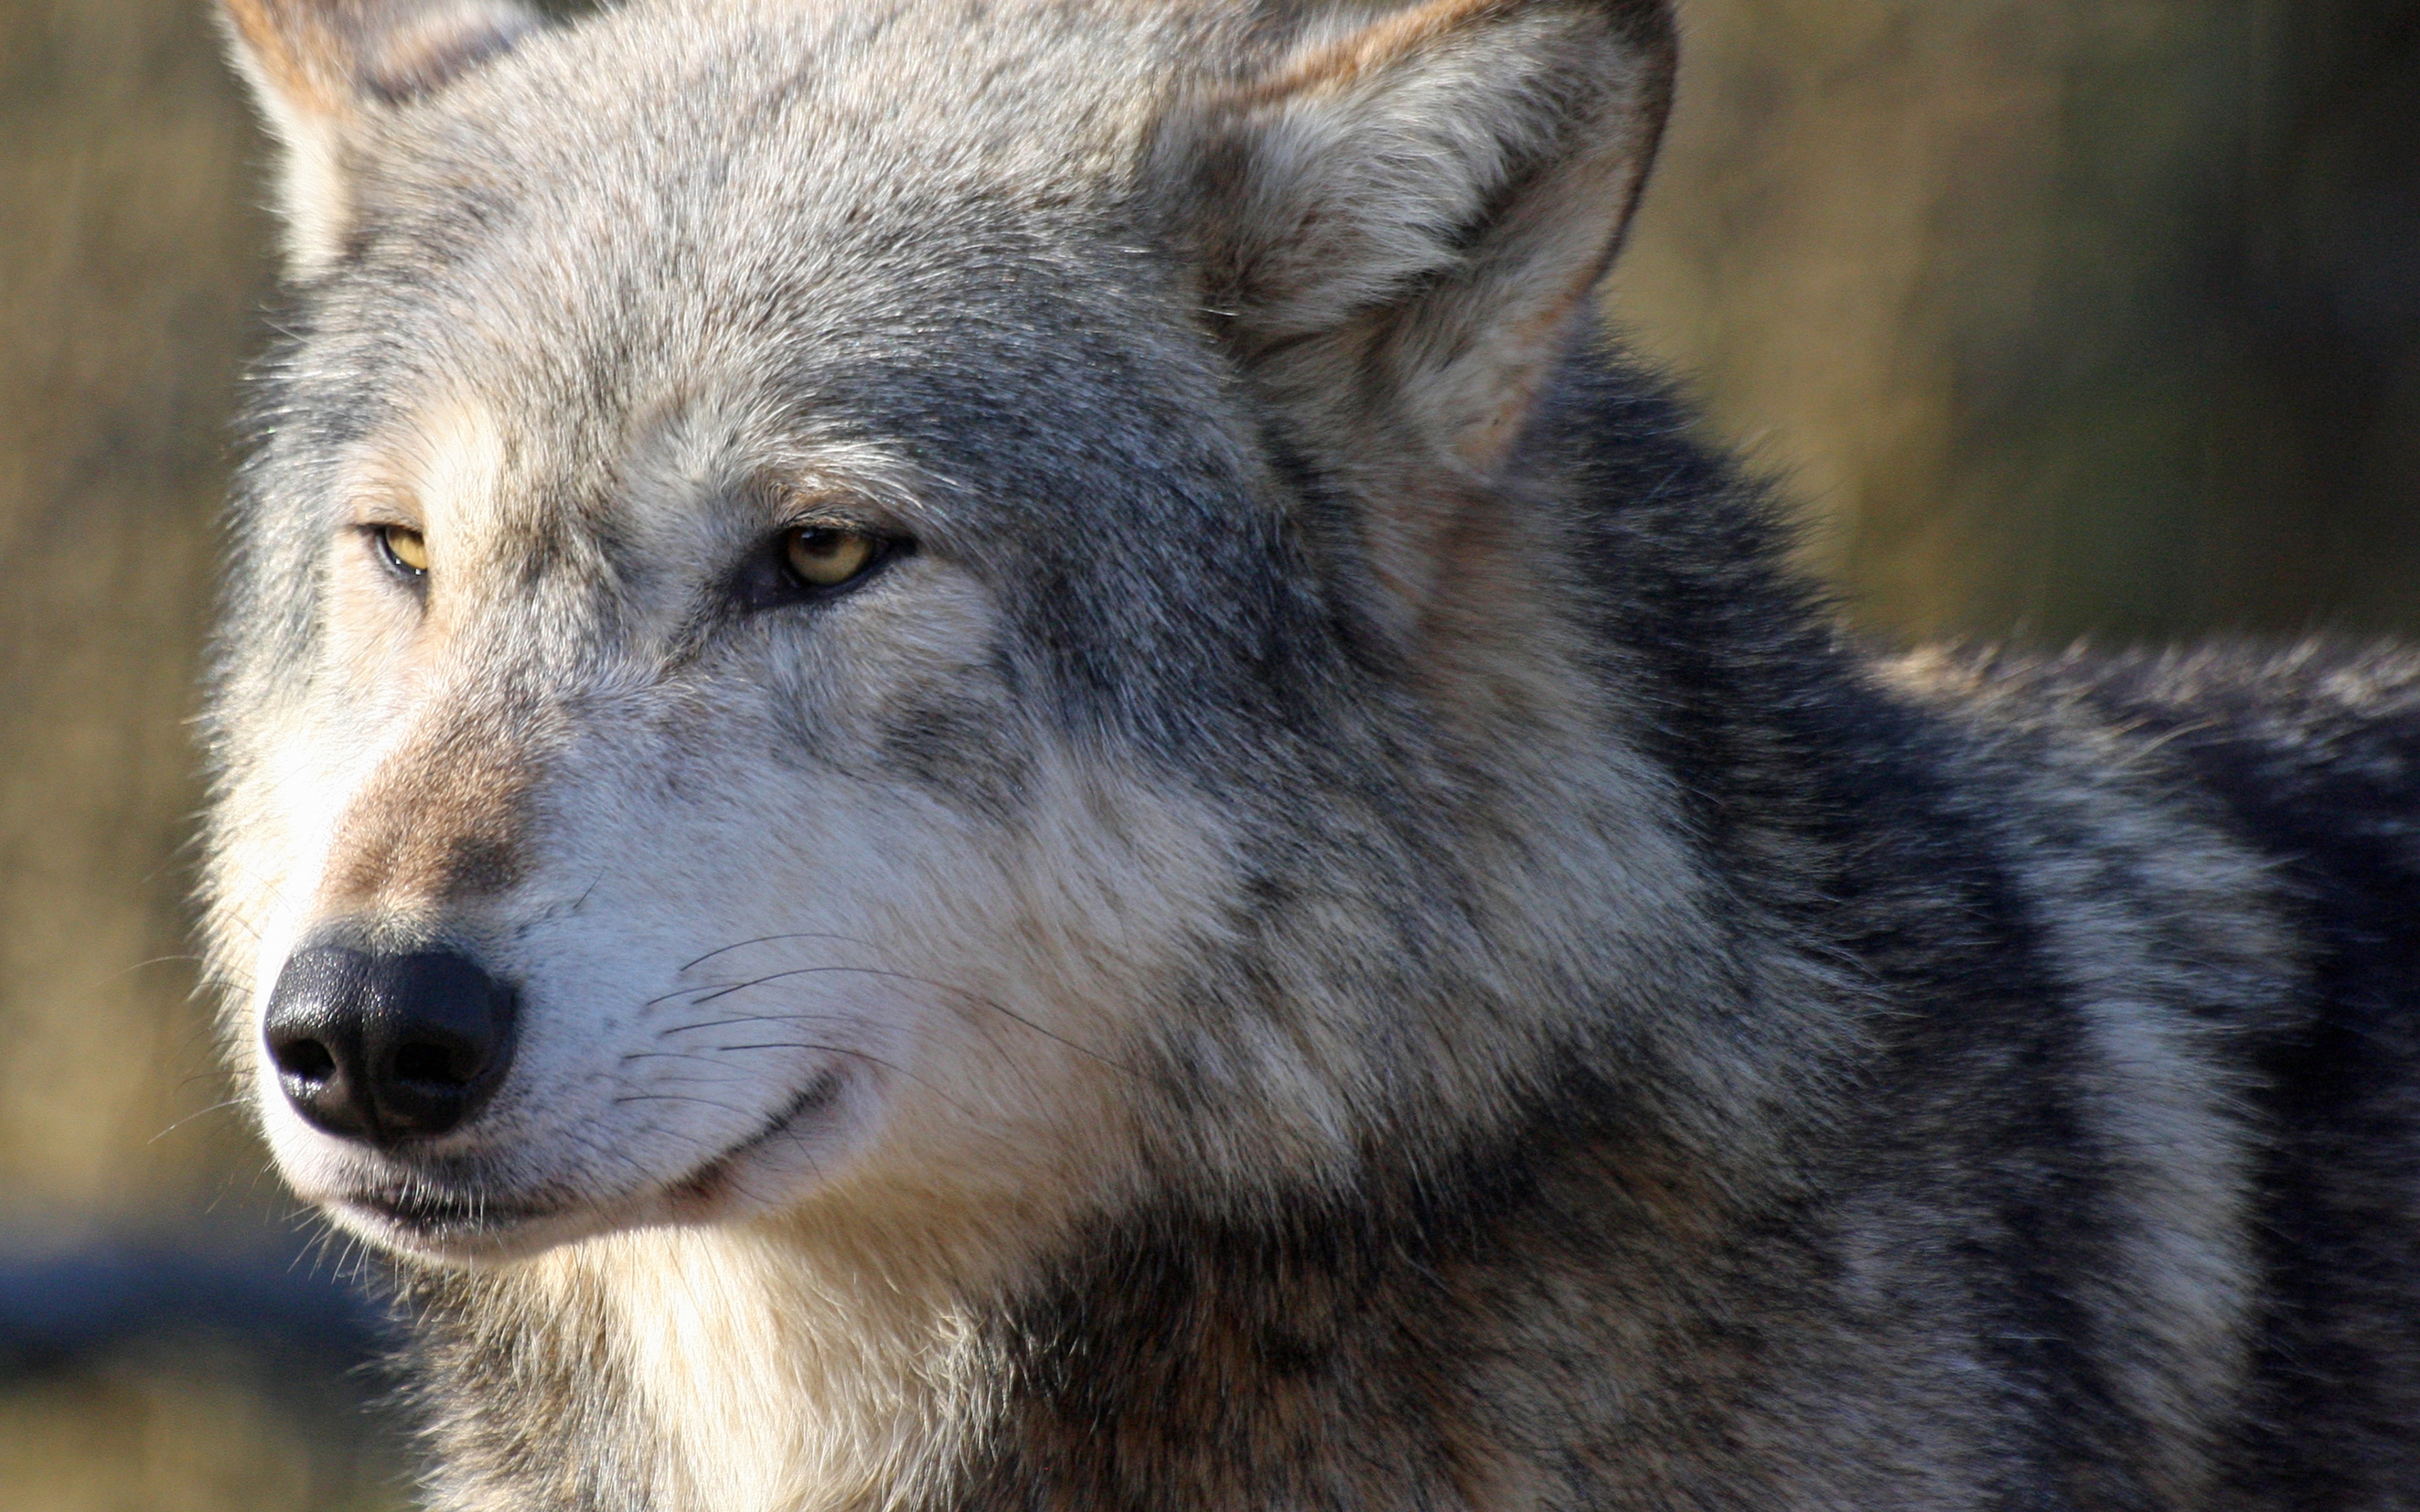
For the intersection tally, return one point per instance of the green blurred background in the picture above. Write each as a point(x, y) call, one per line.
point(2060, 317)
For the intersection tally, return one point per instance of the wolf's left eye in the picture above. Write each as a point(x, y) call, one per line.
point(405, 549)
point(828, 556)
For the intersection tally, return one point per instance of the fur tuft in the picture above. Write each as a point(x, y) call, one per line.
point(324, 70)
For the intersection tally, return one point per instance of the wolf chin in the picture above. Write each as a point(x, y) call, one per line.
point(973, 754)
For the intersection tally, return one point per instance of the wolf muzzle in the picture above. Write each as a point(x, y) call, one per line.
point(387, 1049)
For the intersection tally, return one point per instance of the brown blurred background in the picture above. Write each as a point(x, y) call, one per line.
point(2060, 317)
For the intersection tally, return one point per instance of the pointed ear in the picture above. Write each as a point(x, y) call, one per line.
point(1398, 229)
point(322, 69)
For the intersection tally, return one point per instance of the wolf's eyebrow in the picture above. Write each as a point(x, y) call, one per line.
point(884, 498)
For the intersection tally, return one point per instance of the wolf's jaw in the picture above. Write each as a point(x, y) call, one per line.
point(471, 1225)
point(878, 1361)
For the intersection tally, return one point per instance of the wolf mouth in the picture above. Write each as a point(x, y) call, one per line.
point(437, 1214)
point(441, 1213)
point(708, 1180)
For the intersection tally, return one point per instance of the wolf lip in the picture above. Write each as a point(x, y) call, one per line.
point(443, 1212)
point(706, 1180)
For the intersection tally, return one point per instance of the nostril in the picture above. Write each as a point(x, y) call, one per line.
point(303, 1059)
point(313, 1035)
point(439, 1042)
point(436, 1067)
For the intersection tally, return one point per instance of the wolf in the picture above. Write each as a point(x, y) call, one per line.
point(977, 755)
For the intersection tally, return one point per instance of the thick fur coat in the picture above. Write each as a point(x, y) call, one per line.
point(1117, 824)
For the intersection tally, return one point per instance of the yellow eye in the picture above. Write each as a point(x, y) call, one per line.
point(826, 556)
point(404, 549)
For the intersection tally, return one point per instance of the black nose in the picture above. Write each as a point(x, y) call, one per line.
point(387, 1048)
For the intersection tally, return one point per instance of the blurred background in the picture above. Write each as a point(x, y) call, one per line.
point(2058, 318)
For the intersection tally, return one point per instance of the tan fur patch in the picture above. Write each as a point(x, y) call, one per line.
point(440, 821)
point(327, 57)
point(1381, 45)
point(439, 817)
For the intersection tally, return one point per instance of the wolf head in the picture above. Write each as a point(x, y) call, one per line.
point(918, 614)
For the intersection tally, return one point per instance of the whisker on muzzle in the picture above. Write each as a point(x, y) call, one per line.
point(893, 1066)
point(709, 994)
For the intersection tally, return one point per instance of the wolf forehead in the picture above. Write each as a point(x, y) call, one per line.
point(850, 204)
point(910, 239)
point(800, 198)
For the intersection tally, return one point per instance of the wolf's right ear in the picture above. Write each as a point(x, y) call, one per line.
point(322, 69)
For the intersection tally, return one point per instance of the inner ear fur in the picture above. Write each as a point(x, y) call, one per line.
point(321, 68)
point(1399, 227)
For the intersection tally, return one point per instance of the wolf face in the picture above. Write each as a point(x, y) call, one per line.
point(896, 611)
point(971, 748)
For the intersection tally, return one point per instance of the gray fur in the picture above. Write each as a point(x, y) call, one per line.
point(1339, 932)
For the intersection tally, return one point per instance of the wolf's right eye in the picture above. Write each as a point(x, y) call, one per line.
point(826, 556)
point(405, 549)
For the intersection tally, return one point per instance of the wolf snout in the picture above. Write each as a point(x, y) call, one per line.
point(387, 1048)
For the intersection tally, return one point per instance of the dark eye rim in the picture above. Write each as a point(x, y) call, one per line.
point(417, 577)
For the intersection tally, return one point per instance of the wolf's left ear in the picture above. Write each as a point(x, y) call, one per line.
point(323, 68)
point(1398, 227)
